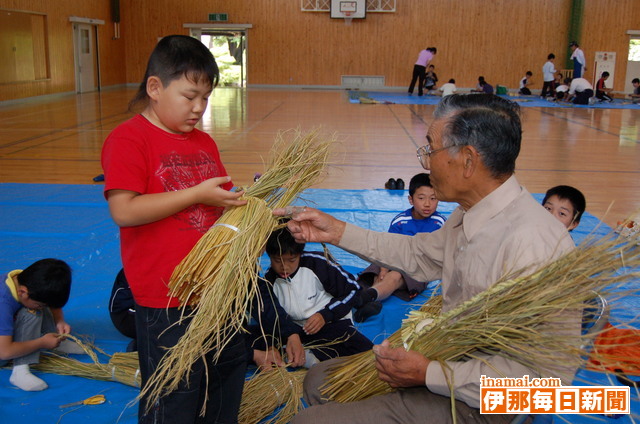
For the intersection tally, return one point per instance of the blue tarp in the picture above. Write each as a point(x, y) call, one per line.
point(72, 222)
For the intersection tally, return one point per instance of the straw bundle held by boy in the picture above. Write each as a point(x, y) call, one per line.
point(218, 278)
point(511, 319)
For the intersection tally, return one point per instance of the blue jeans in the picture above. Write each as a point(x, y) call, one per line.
point(29, 324)
point(156, 331)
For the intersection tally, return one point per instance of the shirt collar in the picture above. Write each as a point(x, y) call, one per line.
point(11, 284)
point(477, 217)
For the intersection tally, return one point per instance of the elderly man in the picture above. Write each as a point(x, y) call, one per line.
point(499, 228)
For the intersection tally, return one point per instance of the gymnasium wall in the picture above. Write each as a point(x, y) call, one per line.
point(60, 45)
point(500, 39)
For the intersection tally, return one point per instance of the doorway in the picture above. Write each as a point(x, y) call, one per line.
point(229, 47)
point(633, 63)
point(85, 53)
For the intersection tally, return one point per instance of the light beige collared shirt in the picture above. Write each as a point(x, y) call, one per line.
point(507, 231)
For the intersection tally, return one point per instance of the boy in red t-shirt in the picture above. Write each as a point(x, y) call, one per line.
point(166, 186)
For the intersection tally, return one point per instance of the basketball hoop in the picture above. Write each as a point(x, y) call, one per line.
point(347, 17)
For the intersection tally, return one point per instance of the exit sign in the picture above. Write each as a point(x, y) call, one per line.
point(218, 17)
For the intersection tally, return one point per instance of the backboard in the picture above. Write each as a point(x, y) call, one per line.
point(348, 9)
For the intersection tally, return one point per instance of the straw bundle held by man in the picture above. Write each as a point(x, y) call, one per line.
point(218, 278)
point(508, 320)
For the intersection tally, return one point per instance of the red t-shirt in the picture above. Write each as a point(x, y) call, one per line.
point(140, 157)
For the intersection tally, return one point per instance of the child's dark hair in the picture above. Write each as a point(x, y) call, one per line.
point(529, 73)
point(418, 181)
point(551, 56)
point(452, 81)
point(48, 282)
point(281, 242)
point(173, 57)
point(573, 195)
point(635, 80)
point(605, 74)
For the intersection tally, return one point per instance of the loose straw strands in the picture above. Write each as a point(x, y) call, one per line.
point(297, 161)
point(267, 391)
point(218, 278)
point(531, 320)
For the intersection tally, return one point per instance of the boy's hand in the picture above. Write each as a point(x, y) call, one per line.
point(63, 327)
point(210, 193)
point(314, 323)
point(50, 341)
point(295, 351)
point(267, 360)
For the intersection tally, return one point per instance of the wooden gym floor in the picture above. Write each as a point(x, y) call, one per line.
point(58, 140)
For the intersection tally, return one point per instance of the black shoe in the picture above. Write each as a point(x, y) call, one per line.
point(367, 311)
point(391, 184)
point(399, 184)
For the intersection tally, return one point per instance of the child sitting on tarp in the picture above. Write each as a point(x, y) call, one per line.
point(381, 282)
point(430, 79)
point(562, 90)
point(307, 300)
point(525, 82)
point(566, 203)
point(31, 318)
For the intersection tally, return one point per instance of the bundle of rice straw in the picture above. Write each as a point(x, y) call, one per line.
point(125, 368)
point(508, 319)
point(267, 391)
point(218, 278)
point(122, 367)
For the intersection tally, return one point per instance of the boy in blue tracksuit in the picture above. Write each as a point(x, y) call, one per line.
point(307, 300)
point(379, 282)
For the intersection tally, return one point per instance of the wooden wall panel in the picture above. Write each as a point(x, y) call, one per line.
point(500, 39)
point(605, 28)
point(60, 41)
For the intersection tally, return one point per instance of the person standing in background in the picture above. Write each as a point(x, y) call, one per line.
point(420, 69)
point(579, 62)
point(548, 76)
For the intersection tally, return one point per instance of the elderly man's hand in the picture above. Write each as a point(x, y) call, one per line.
point(400, 368)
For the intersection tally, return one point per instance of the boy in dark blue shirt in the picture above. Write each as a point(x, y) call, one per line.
point(306, 299)
point(381, 282)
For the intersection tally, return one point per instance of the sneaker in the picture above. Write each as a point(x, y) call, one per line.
point(592, 101)
point(399, 184)
point(391, 184)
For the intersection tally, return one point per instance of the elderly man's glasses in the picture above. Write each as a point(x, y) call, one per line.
point(424, 152)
